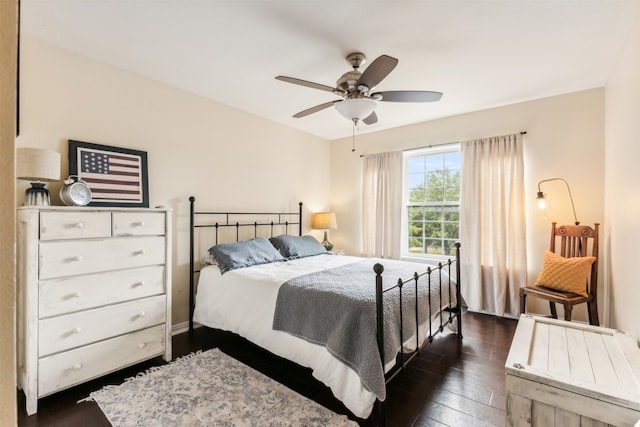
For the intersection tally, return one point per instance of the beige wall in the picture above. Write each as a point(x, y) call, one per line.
point(622, 187)
point(228, 159)
point(8, 61)
point(565, 138)
point(215, 152)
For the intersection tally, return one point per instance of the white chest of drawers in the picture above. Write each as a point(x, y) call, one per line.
point(94, 294)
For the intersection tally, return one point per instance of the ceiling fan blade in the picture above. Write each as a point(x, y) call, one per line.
point(371, 119)
point(314, 109)
point(306, 83)
point(407, 96)
point(377, 71)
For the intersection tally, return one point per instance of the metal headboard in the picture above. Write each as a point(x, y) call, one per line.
point(231, 220)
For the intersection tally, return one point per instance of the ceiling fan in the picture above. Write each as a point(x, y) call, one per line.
point(358, 101)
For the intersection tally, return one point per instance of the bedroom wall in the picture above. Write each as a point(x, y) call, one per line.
point(622, 187)
point(565, 138)
point(8, 62)
point(228, 159)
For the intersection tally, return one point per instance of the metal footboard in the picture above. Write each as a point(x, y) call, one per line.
point(447, 313)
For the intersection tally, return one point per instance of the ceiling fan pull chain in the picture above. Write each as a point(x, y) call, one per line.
point(353, 135)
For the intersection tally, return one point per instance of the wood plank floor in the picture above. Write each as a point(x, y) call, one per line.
point(451, 383)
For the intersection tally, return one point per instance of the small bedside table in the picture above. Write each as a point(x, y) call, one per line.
point(336, 252)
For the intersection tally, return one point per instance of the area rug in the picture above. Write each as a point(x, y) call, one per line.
point(209, 389)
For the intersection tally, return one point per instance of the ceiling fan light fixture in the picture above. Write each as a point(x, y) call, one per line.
point(356, 109)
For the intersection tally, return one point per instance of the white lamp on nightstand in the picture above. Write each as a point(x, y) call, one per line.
point(324, 221)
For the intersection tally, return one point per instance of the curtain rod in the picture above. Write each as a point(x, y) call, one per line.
point(524, 132)
point(446, 143)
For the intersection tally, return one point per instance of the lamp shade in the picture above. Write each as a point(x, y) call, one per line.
point(324, 221)
point(35, 164)
point(356, 108)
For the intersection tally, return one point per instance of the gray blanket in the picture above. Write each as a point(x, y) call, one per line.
point(336, 308)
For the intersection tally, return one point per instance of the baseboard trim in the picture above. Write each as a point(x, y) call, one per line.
point(180, 328)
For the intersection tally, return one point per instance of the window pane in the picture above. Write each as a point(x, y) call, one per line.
point(433, 214)
point(452, 194)
point(416, 164)
point(452, 160)
point(434, 163)
point(416, 213)
point(415, 246)
point(434, 246)
point(451, 230)
point(433, 229)
point(416, 229)
point(451, 213)
point(416, 180)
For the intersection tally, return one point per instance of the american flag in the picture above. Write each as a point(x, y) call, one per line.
point(111, 176)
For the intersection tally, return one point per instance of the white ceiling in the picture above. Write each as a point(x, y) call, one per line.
point(480, 54)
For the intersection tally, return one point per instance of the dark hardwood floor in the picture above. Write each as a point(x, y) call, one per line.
point(451, 383)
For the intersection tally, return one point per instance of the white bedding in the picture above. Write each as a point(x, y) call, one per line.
point(243, 301)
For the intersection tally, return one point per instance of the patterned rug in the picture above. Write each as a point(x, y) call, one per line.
point(209, 389)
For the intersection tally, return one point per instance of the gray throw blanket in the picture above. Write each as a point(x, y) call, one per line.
point(336, 308)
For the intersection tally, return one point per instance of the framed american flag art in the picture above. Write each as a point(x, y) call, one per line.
point(116, 176)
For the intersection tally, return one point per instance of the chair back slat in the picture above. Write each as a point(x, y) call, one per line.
point(577, 240)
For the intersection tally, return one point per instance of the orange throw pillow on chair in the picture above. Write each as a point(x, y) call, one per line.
point(565, 274)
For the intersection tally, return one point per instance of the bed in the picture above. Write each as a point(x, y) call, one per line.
point(332, 313)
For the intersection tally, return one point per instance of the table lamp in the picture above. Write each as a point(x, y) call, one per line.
point(38, 166)
point(324, 221)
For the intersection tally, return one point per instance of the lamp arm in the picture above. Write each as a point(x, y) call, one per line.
point(570, 197)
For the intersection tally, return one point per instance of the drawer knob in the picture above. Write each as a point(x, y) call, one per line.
point(139, 224)
point(79, 224)
point(77, 330)
point(76, 258)
point(77, 366)
point(140, 252)
point(142, 345)
point(76, 294)
point(138, 284)
point(142, 313)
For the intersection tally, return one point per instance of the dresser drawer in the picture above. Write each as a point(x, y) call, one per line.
point(72, 367)
point(60, 296)
point(139, 223)
point(67, 258)
point(84, 327)
point(74, 225)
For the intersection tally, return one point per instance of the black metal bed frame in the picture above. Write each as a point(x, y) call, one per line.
point(447, 312)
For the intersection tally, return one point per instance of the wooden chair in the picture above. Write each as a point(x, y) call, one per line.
point(570, 241)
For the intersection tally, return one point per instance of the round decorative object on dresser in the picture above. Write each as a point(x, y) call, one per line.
point(75, 192)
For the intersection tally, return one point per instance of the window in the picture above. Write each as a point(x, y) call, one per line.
point(431, 201)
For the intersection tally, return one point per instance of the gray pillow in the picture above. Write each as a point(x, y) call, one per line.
point(246, 253)
point(292, 247)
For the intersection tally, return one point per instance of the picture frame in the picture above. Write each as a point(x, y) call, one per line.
point(117, 177)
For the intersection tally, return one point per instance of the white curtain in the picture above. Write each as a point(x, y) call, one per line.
point(382, 205)
point(492, 224)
